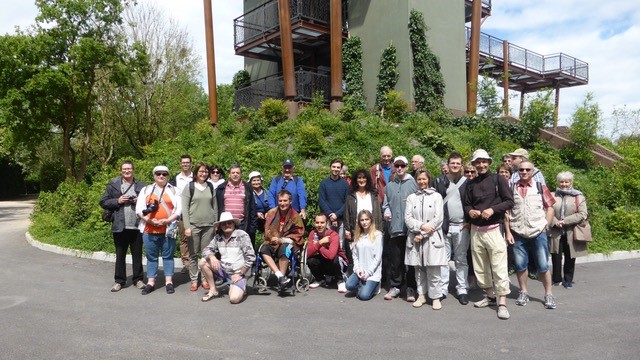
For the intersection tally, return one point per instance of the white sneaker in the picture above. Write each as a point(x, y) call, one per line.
point(314, 285)
point(342, 287)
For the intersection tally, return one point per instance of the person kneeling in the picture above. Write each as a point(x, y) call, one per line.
point(367, 257)
point(236, 259)
point(324, 255)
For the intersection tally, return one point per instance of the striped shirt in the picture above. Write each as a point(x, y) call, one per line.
point(234, 200)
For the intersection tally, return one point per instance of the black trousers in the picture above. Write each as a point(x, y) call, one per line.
point(399, 275)
point(321, 266)
point(569, 263)
point(124, 240)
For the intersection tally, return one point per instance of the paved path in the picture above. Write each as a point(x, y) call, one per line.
point(59, 307)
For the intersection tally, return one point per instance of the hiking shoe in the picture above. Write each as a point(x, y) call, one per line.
point(342, 287)
point(523, 298)
point(568, 284)
point(420, 301)
point(486, 301)
point(503, 313)
point(436, 305)
point(411, 295)
point(314, 285)
point(463, 299)
point(283, 281)
point(392, 293)
point(139, 284)
point(549, 302)
point(116, 287)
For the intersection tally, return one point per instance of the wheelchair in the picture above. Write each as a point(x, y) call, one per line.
point(298, 272)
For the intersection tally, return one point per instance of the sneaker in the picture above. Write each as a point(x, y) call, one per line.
point(392, 293)
point(314, 285)
point(283, 281)
point(503, 313)
point(411, 295)
point(512, 271)
point(420, 301)
point(558, 283)
point(463, 299)
point(116, 287)
point(549, 302)
point(486, 301)
point(139, 284)
point(147, 289)
point(342, 287)
point(533, 276)
point(437, 305)
point(523, 298)
point(567, 284)
point(169, 288)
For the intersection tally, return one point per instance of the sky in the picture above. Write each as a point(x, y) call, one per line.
point(605, 34)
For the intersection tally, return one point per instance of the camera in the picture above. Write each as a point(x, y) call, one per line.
point(151, 207)
point(132, 199)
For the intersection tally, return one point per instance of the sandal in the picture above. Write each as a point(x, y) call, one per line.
point(194, 286)
point(209, 295)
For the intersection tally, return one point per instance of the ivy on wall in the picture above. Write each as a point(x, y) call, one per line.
point(387, 76)
point(352, 64)
point(427, 79)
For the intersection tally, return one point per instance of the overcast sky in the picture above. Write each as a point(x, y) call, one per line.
point(605, 34)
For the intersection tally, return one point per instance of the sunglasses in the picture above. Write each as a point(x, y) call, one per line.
point(215, 172)
point(226, 223)
point(469, 171)
point(162, 174)
point(401, 165)
point(525, 169)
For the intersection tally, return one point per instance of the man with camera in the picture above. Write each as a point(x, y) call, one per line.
point(119, 199)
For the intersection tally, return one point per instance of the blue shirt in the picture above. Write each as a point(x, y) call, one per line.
point(295, 186)
point(387, 172)
point(332, 195)
point(261, 202)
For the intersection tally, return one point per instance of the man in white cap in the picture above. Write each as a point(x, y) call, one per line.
point(518, 156)
point(486, 200)
point(395, 198)
point(236, 259)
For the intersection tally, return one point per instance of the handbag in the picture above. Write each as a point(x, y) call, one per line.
point(582, 231)
point(107, 215)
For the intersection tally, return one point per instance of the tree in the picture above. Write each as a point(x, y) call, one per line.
point(387, 76)
point(583, 132)
point(428, 82)
point(352, 63)
point(489, 103)
point(626, 122)
point(161, 94)
point(537, 114)
point(49, 83)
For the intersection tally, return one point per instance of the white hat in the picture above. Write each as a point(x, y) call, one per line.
point(254, 174)
point(400, 158)
point(520, 152)
point(226, 216)
point(160, 168)
point(480, 154)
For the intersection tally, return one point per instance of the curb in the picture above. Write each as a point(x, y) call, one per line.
point(97, 255)
point(109, 257)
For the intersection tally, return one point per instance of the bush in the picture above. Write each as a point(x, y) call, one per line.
point(395, 108)
point(310, 142)
point(274, 111)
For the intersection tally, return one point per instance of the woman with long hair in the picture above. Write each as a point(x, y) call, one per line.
point(367, 257)
point(426, 250)
point(362, 196)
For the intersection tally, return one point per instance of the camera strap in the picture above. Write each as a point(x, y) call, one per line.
point(128, 188)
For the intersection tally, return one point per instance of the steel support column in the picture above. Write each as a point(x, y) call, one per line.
point(287, 50)
point(474, 57)
point(211, 63)
point(336, 50)
point(505, 80)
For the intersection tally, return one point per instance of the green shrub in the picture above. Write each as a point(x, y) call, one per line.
point(273, 110)
point(310, 142)
point(395, 108)
point(241, 79)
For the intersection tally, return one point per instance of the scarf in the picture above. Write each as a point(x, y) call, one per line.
point(562, 193)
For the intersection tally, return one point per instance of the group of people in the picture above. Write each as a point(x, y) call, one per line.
point(383, 227)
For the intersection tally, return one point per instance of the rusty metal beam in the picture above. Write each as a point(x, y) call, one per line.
point(287, 50)
point(474, 55)
point(336, 50)
point(505, 74)
point(211, 63)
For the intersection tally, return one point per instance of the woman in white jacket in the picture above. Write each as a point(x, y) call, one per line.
point(425, 242)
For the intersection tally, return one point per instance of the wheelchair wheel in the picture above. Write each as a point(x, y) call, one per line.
point(302, 284)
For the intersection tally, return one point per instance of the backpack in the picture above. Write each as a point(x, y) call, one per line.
point(295, 179)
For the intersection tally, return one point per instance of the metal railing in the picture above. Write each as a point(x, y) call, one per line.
point(308, 83)
point(264, 19)
point(528, 60)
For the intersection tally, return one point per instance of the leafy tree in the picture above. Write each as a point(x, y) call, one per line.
point(626, 122)
point(388, 75)
point(428, 82)
point(489, 102)
point(50, 74)
point(537, 114)
point(241, 79)
point(583, 132)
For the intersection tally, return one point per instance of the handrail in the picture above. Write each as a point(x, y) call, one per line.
point(492, 47)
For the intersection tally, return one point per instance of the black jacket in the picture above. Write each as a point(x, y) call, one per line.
point(488, 191)
point(250, 222)
point(441, 184)
point(109, 201)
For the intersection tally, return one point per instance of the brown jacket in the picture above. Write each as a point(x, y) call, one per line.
point(573, 215)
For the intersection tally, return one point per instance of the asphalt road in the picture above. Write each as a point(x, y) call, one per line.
point(60, 307)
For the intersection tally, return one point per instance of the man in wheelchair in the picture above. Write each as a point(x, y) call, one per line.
point(283, 234)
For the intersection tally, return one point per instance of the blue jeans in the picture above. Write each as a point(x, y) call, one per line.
point(159, 243)
point(367, 289)
point(537, 248)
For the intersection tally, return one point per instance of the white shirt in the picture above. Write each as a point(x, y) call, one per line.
point(182, 181)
